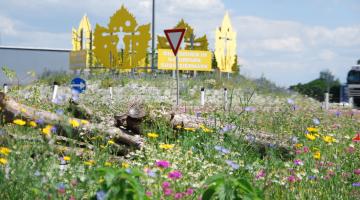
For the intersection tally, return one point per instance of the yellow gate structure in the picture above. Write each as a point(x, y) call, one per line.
point(82, 45)
point(225, 45)
point(135, 40)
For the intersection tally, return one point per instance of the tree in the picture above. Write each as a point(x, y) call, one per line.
point(235, 68)
point(316, 88)
point(214, 64)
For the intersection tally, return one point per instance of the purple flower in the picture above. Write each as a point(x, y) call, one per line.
point(290, 101)
point(165, 184)
point(40, 121)
point(232, 164)
point(250, 138)
point(298, 162)
point(222, 149)
point(175, 175)
point(163, 164)
point(151, 173)
point(338, 113)
point(356, 184)
point(312, 177)
point(227, 128)
point(101, 195)
point(61, 188)
point(59, 112)
point(53, 129)
point(250, 109)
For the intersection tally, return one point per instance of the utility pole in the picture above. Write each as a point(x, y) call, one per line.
point(153, 38)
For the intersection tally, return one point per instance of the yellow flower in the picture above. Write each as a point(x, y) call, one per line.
point(125, 165)
point(310, 136)
point(23, 110)
point(317, 155)
point(19, 122)
point(178, 127)
point(189, 129)
point(207, 130)
point(89, 162)
point(107, 164)
point(166, 146)
point(74, 123)
point(298, 145)
point(47, 130)
point(111, 142)
point(3, 161)
point(84, 121)
point(329, 139)
point(67, 158)
point(312, 130)
point(152, 135)
point(32, 124)
point(4, 151)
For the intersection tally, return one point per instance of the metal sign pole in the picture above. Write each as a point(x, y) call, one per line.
point(177, 81)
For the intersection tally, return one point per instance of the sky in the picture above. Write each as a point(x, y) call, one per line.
point(286, 41)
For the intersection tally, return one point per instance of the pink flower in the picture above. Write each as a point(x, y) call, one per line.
point(350, 149)
point(189, 191)
point(306, 149)
point(291, 179)
point(165, 184)
point(72, 198)
point(260, 174)
point(357, 171)
point(148, 194)
point(167, 191)
point(297, 151)
point(175, 175)
point(163, 164)
point(178, 195)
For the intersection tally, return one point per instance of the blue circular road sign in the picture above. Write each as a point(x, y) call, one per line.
point(78, 84)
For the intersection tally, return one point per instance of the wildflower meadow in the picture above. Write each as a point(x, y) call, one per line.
point(221, 160)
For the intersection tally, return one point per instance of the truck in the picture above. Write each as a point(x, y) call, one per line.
point(353, 84)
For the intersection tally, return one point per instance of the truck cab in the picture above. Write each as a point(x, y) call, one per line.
point(353, 84)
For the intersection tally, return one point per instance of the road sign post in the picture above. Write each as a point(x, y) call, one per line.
point(174, 37)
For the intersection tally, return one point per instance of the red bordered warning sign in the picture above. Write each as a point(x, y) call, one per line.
point(174, 37)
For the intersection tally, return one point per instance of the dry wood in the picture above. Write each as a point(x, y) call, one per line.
point(12, 108)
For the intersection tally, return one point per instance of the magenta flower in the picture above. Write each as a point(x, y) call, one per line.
point(260, 174)
point(178, 196)
point(350, 150)
point(189, 191)
point(165, 184)
point(298, 162)
point(306, 149)
point(291, 179)
point(357, 171)
point(175, 175)
point(167, 191)
point(148, 194)
point(163, 164)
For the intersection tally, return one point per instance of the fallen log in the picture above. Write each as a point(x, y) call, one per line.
point(259, 139)
point(11, 109)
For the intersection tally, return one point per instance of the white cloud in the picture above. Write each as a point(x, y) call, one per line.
point(7, 26)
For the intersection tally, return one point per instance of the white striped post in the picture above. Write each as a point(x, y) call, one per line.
point(202, 96)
